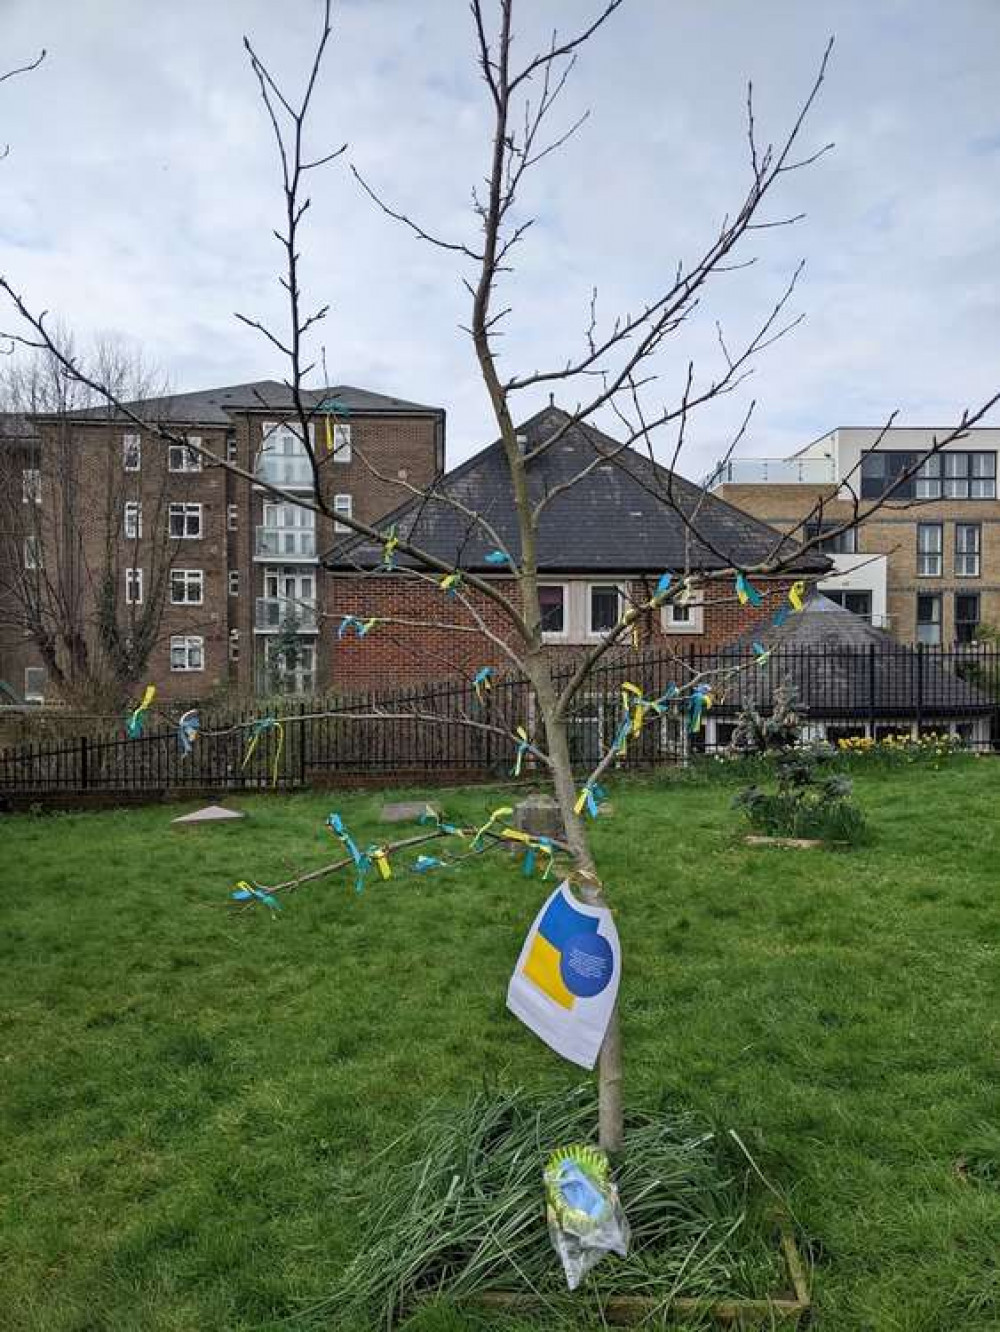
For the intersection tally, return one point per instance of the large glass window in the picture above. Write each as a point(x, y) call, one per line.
point(930, 542)
point(605, 600)
point(858, 603)
point(929, 619)
point(187, 587)
point(552, 602)
point(844, 543)
point(954, 474)
point(968, 549)
point(187, 653)
point(966, 616)
point(185, 520)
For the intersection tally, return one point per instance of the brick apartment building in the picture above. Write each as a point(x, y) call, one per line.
point(603, 543)
point(237, 569)
point(926, 566)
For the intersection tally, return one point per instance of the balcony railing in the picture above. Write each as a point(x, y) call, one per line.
point(279, 612)
point(280, 469)
point(773, 471)
point(286, 543)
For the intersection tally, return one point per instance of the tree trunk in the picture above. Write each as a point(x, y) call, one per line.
point(611, 1126)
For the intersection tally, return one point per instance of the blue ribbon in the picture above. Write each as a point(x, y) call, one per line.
point(662, 587)
point(498, 557)
point(362, 863)
point(424, 863)
point(248, 892)
point(746, 592)
point(187, 731)
point(359, 626)
point(696, 707)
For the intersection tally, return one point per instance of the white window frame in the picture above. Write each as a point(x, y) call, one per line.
point(133, 586)
point(341, 443)
point(186, 511)
point(234, 582)
point(232, 517)
point(548, 635)
point(181, 453)
point(930, 561)
point(347, 509)
point(231, 448)
point(190, 578)
point(188, 644)
point(131, 449)
point(132, 520)
point(36, 694)
point(693, 624)
point(969, 560)
point(931, 640)
point(33, 551)
point(589, 593)
point(31, 485)
point(234, 645)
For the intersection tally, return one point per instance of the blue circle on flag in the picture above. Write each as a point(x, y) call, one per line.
point(586, 964)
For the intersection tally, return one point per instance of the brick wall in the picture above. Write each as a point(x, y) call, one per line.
point(401, 655)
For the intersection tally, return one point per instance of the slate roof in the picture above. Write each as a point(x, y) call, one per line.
point(215, 406)
point(613, 519)
point(841, 665)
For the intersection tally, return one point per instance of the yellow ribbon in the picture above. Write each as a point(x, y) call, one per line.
point(632, 700)
point(381, 859)
point(686, 592)
point(389, 548)
point(502, 813)
point(795, 594)
point(260, 727)
point(329, 435)
point(450, 582)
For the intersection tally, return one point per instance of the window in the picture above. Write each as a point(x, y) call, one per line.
point(234, 645)
point(131, 453)
point(232, 516)
point(184, 520)
point(552, 603)
point(342, 443)
point(31, 486)
point(968, 549)
point(284, 459)
point(342, 504)
point(605, 599)
point(133, 520)
point(133, 587)
point(187, 653)
point(858, 603)
point(234, 583)
point(231, 448)
point(951, 475)
point(32, 552)
point(687, 619)
point(966, 616)
point(182, 458)
point(930, 540)
point(187, 587)
point(845, 543)
point(34, 684)
point(929, 619)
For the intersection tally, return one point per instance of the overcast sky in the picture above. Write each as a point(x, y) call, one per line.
point(141, 187)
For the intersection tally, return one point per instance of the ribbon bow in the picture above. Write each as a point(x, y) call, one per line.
point(760, 652)
point(259, 728)
point(380, 857)
point(483, 682)
point(504, 812)
point(699, 702)
point(389, 544)
point(424, 863)
point(662, 588)
point(187, 731)
point(686, 592)
point(450, 583)
point(498, 557)
point(360, 627)
point(746, 592)
point(249, 892)
point(432, 816)
point(362, 864)
point(795, 594)
point(523, 747)
point(589, 798)
point(137, 721)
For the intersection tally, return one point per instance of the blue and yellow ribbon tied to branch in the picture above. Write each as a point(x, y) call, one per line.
point(760, 652)
point(360, 627)
point(796, 595)
point(137, 720)
point(504, 812)
point(362, 864)
point(424, 863)
point(497, 557)
point(482, 683)
point(589, 799)
point(249, 892)
point(746, 592)
point(187, 731)
point(389, 544)
point(261, 728)
point(532, 846)
point(662, 589)
point(698, 704)
point(523, 747)
point(379, 857)
point(431, 815)
point(450, 583)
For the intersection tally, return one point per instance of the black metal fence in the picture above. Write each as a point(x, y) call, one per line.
point(448, 731)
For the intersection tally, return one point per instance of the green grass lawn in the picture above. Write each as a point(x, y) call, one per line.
point(185, 1093)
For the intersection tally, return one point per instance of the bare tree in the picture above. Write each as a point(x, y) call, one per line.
point(85, 551)
point(612, 370)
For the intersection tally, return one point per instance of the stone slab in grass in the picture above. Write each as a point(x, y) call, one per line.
point(406, 811)
point(792, 843)
point(198, 818)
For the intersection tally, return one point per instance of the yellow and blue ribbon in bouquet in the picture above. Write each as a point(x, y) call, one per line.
point(259, 729)
point(137, 721)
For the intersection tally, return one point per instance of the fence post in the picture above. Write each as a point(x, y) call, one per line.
point(84, 774)
point(302, 745)
point(920, 686)
point(871, 687)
